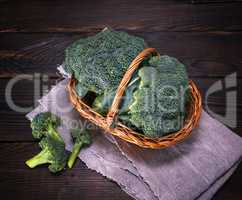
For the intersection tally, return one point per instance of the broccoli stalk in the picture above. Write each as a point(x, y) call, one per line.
point(53, 133)
point(53, 153)
point(42, 157)
point(103, 102)
point(45, 124)
point(80, 139)
point(75, 152)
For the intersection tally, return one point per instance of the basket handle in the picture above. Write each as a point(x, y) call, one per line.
point(124, 82)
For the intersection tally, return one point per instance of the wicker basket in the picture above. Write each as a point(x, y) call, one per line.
point(123, 131)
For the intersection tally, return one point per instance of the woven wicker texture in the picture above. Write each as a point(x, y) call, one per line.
point(124, 132)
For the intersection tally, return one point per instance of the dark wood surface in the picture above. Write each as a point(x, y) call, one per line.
point(214, 1)
point(206, 37)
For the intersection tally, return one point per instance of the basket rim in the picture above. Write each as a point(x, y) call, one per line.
point(134, 137)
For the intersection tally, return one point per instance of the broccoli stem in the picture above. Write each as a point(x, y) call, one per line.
point(52, 131)
point(75, 151)
point(41, 158)
point(133, 81)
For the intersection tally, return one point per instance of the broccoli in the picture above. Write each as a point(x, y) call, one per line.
point(154, 104)
point(158, 103)
point(45, 124)
point(53, 153)
point(80, 90)
point(80, 138)
point(99, 62)
point(102, 103)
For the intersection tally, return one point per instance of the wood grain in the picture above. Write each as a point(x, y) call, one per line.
point(16, 126)
point(207, 37)
point(201, 52)
point(23, 91)
point(214, 1)
point(79, 183)
point(93, 15)
point(17, 180)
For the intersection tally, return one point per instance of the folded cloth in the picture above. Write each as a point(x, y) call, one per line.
point(193, 169)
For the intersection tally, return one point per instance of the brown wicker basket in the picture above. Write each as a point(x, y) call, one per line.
point(123, 131)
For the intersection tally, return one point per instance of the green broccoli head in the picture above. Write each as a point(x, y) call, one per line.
point(45, 124)
point(80, 138)
point(158, 106)
point(53, 153)
point(99, 62)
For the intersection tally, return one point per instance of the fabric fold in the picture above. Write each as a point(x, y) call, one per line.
point(193, 169)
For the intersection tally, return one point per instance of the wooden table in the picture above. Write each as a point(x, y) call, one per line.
point(33, 36)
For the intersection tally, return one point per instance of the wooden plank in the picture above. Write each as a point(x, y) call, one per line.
point(23, 92)
point(17, 180)
point(86, 16)
point(15, 127)
point(201, 52)
point(214, 1)
point(218, 98)
point(231, 189)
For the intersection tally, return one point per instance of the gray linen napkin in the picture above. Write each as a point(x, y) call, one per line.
point(193, 169)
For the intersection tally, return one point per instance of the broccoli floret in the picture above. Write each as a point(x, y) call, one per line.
point(45, 124)
point(53, 153)
point(99, 62)
point(80, 139)
point(158, 106)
